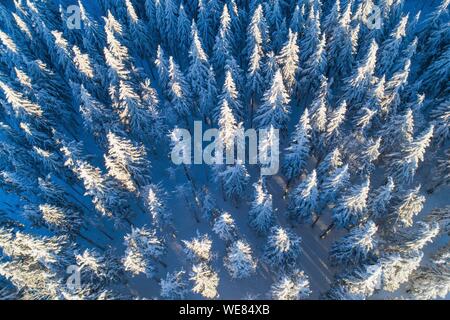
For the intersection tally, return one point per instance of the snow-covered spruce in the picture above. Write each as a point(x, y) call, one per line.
point(143, 250)
point(239, 260)
point(282, 248)
point(293, 286)
point(225, 227)
point(261, 215)
point(356, 247)
point(304, 199)
point(174, 286)
point(199, 248)
point(205, 280)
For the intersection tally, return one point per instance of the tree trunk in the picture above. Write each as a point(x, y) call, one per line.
point(327, 231)
point(315, 221)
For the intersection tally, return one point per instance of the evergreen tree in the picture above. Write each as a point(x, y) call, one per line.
point(362, 282)
point(311, 36)
point(239, 260)
point(331, 21)
point(304, 199)
point(34, 264)
point(380, 200)
point(356, 247)
point(336, 119)
point(298, 152)
point(199, 68)
point(334, 183)
point(432, 281)
point(407, 160)
point(331, 162)
point(368, 155)
point(352, 206)
point(230, 94)
point(261, 214)
point(435, 75)
point(297, 19)
point(398, 131)
point(170, 24)
point(228, 127)
point(319, 109)
point(442, 217)
point(340, 46)
point(390, 49)
point(407, 206)
point(137, 27)
point(162, 65)
point(155, 204)
point(173, 286)
point(235, 179)
point(204, 24)
point(183, 30)
point(198, 249)
point(61, 220)
point(282, 249)
point(274, 109)
point(314, 69)
point(143, 247)
point(257, 32)
point(288, 60)
point(442, 170)
point(255, 75)
point(134, 113)
point(94, 114)
point(398, 267)
point(205, 280)
point(127, 163)
point(362, 79)
point(414, 238)
point(393, 89)
point(178, 91)
point(223, 49)
point(291, 287)
point(225, 227)
point(441, 117)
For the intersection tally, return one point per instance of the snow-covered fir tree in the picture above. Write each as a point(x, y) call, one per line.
point(293, 286)
point(398, 267)
point(355, 247)
point(380, 199)
point(205, 280)
point(304, 199)
point(235, 179)
point(352, 205)
point(199, 248)
point(127, 162)
point(432, 281)
point(334, 184)
point(143, 248)
point(362, 282)
point(298, 152)
point(288, 60)
point(225, 227)
point(275, 107)
point(174, 286)
point(261, 213)
point(239, 260)
point(282, 248)
point(154, 198)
